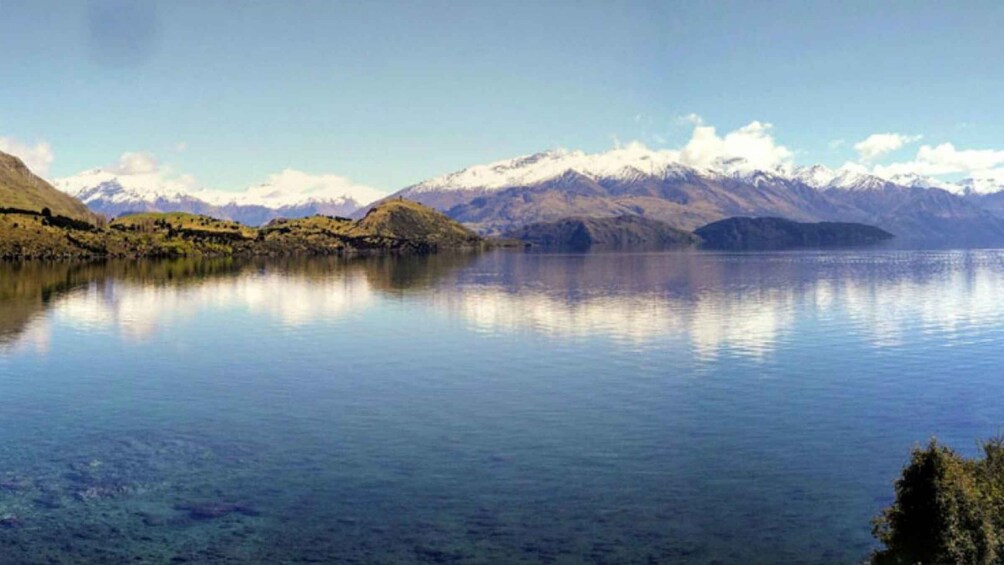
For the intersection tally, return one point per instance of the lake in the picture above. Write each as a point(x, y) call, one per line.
point(485, 408)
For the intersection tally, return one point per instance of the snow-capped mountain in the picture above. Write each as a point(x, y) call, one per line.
point(982, 184)
point(636, 161)
point(290, 193)
point(111, 194)
point(849, 177)
point(816, 176)
point(920, 181)
point(985, 190)
point(632, 161)
point(500, 196)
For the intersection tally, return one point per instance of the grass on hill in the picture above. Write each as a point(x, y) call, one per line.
point(23, 190)
point(410, 220)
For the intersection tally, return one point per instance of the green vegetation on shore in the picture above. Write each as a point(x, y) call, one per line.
point(397, 226)
point(948, 509)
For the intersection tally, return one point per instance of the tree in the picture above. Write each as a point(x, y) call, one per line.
point(46, 213)
point(944, 511)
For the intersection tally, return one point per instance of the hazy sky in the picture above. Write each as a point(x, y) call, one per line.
point(390, 93)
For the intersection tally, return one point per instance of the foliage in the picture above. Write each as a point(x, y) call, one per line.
point(948, 509)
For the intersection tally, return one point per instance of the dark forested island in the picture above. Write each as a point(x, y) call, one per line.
point(779, 233)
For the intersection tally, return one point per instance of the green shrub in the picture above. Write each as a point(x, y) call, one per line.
point(948, 509)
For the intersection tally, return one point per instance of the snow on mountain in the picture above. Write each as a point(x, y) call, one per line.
point(103, 184)
point(756, 177)
point(636, 161)
point(631, 161)
point(989, 182)
point(296, 188)
point(854, 178)
point(290, 193)
point(816, 176)
point(914, 180)
point(847, 177)
point(850, 176)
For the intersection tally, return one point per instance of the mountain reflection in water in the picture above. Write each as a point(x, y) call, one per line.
point(740, 302)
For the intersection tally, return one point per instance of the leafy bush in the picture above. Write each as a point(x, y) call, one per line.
point(948, 509)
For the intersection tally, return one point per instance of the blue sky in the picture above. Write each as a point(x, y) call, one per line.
point(390, 93)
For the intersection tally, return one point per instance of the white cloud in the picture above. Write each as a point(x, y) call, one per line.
point(690, 119)
point(945, 159)
point(878, 144)
point(135, 164)
point(750, 147)
point(951, 159)
point(37, 157)
point(291, 186)
point(837, 143)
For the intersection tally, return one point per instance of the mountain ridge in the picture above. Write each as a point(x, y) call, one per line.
point(289, 194)
point(653, 184)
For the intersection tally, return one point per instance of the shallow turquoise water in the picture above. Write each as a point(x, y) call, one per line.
point(504, 407)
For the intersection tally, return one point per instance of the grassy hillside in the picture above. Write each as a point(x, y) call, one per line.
point(21, 189)
point(397, 227)
point(405, 219)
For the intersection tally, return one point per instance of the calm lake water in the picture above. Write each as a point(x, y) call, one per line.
point(503, 407)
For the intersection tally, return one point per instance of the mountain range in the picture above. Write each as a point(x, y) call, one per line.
point(499, 197)
point(546, 187)
point(290, 194)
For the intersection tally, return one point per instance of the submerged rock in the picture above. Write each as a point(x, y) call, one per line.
point(14, 484)
point(213, 510)
point(48, 501)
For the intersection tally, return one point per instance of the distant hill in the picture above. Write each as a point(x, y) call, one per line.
point(778, 233)
point(617, 231)
point(409, 220)
point(20, 189)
